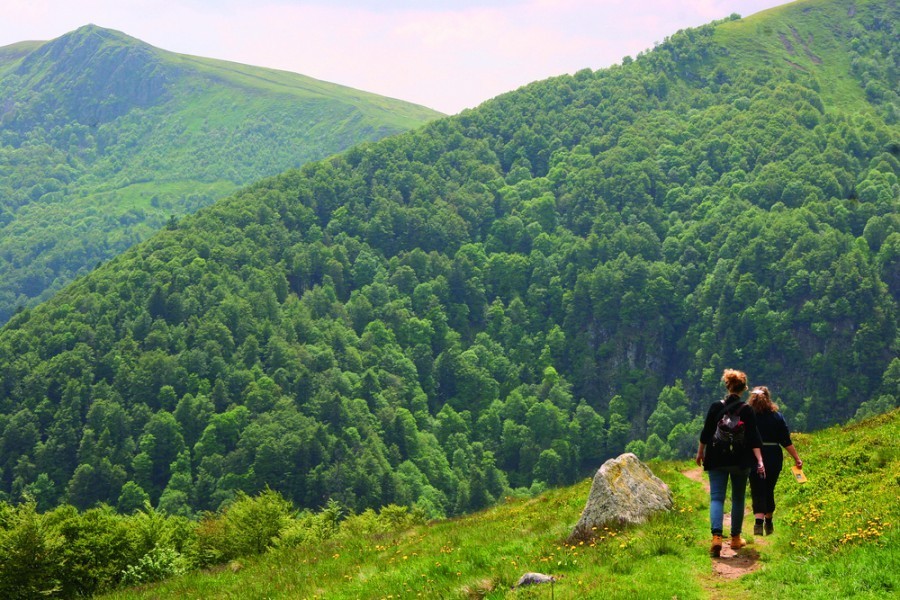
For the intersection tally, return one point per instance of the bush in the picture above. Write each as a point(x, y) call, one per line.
point(874, 407)
point(390, 518)
point(158, 564)
point(150, 529)
point(212, 541)
point(31, 553)
point(312, 527)
point(247, 526)
point(96, 550)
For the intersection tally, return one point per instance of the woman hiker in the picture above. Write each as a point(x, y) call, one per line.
point(774, 433)
point(729, 448)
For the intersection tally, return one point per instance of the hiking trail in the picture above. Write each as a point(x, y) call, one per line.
point(731, 564)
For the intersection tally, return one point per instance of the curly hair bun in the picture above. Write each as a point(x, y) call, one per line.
point(735, 381)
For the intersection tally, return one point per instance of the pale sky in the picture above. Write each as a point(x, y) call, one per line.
point(447, 55)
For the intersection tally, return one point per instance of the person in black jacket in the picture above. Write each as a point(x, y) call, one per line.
point(729, 460)
point(774, 433)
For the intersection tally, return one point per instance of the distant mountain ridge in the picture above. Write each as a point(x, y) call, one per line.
point(103, 138)
point(16, 51)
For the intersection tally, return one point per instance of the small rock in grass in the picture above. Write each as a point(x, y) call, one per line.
point(532, 578)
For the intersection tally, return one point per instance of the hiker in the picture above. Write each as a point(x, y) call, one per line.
point(774, 433)
point(729, 448)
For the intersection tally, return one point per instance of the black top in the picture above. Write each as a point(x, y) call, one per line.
point(773, 429)
point(715, 458)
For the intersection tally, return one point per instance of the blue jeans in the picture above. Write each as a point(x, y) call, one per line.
point(718, 484)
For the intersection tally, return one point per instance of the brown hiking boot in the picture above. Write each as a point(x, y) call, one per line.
point(716, 549)
point(737, 542)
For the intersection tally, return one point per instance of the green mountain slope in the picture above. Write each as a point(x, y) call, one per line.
point(834, 537)
point(13, 52)
point(103, 138)
point(494, 301)
point(841, 527)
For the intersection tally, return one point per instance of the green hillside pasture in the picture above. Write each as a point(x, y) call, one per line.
point(837, 535)
point(159, 195)
point(805, 36)
point(235, 134)
point(403, 115)
point(12, 53)
point(479, 556)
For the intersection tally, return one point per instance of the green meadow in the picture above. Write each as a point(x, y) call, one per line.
point(835, 537)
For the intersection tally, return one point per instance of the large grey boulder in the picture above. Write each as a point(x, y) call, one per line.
point(625, 492)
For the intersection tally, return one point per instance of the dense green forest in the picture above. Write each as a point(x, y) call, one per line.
point(104, 138)
point(497, 301)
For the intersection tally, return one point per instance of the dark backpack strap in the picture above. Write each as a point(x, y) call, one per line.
point(735, 409)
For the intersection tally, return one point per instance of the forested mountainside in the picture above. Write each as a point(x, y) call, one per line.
point(496, 300)
point(103, 138)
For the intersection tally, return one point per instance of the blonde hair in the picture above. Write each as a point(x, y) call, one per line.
point(761, 401)
point(735, 381)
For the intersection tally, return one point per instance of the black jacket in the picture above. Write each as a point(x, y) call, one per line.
point(715, 457)
point(773, 429)
point(774, 434)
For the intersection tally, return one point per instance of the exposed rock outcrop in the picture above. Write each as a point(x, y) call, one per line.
point(625, 492)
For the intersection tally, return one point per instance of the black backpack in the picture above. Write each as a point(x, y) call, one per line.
point(729, 435)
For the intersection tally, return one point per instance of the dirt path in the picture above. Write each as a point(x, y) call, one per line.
point(731, 564)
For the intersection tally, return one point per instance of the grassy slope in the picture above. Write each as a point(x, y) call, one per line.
point(396, 112)
point(12, 53)
point(215, 100)
point(805, 36)
point(210, 93)
point(836, 536)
